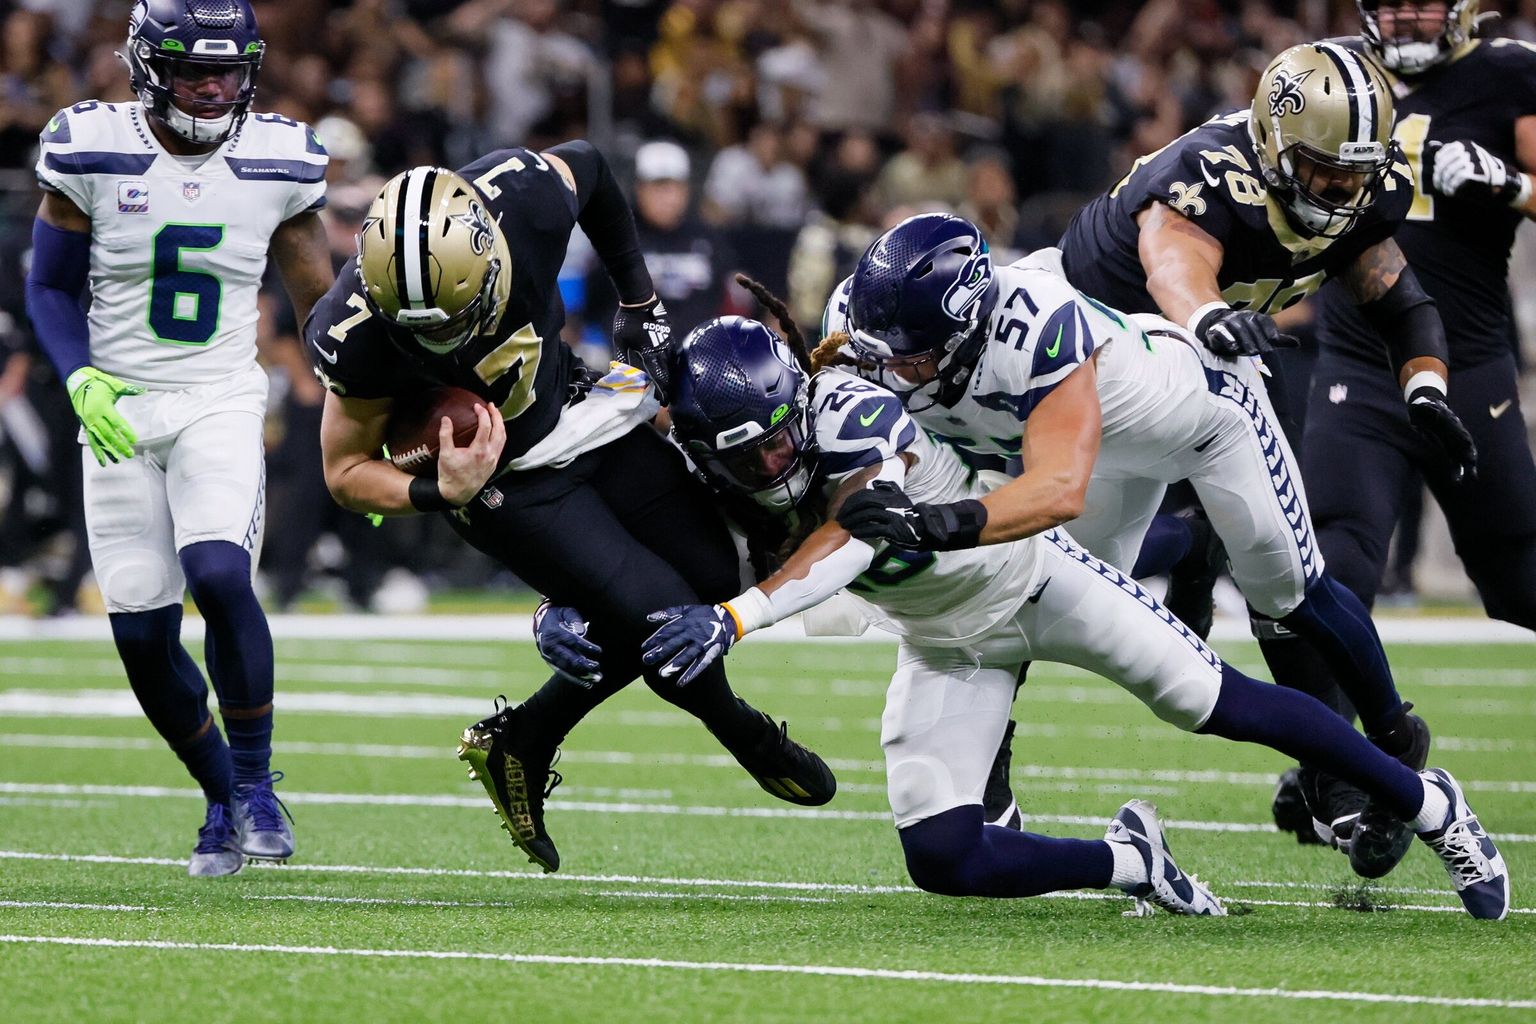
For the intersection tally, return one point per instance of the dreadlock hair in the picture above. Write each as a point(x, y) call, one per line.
point(830, 351)
point(775, 305)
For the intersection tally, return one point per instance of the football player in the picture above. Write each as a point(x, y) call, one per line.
point(168, 208)
point(1467, 126)
point(968, 618)
point(1245, 216)
point(565, 483)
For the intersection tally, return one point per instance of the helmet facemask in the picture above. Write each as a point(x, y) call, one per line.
point(773, 467)
point(1328, 194)
point(1414, 41)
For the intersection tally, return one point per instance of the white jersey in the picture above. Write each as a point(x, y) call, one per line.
point(178, 244)
point(944, 598)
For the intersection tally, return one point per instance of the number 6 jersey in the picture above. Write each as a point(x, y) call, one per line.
point(178, 244)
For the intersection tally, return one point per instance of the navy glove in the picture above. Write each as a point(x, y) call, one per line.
point(561, 636)
point(691, 637)
point(642, 336)
point(1241, 332)
point(1439, 423)
point(883, 512)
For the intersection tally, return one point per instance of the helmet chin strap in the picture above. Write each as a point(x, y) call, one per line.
point(1411, 58)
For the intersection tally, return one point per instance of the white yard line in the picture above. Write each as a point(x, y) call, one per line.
point(815, 970)
point(52, 905)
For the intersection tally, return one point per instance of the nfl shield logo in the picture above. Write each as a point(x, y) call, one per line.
point(491, 497)
point(1338, 393)
point(191, 191)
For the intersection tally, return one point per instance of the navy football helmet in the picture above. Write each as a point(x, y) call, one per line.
point(919, 304)
point(191, 42)
point(739, 409)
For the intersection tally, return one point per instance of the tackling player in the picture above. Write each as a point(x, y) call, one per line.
point(565, 483)
point(1246, 216)
point(1467, 126)
point(757, 425)
point(168, 208)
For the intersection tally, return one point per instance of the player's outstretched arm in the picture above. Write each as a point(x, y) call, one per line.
point(352, 436)
point(303, 257)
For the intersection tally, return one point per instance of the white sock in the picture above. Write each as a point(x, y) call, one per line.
point(1130, 870)
point(1432, 814)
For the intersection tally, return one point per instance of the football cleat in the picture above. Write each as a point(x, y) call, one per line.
point(998, 807)
point(216, 853)
point(517, 781)
point(1381, 838)
point(1335, 807)
point(1192, 581)
point(1475, 865)
point(260, 830)
point(786, 769)
point(1290, 810)
point(1136, 825)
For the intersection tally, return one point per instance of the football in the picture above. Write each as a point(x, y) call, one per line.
point(411, 438)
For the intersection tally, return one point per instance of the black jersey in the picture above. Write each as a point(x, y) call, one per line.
point(1458, 249)
point(522, 367)
point(1211, 175)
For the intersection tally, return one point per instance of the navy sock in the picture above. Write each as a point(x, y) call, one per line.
point(955, 854)
point(238, 650)
point(172, 693)
point(1304, 728)
point(1168, 540)
point(1334, 619)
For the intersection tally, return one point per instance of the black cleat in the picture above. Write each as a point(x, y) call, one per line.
point(998, 807)
point(1290, 808)
point(1335, 807)
point(787, 770)
point(516, 780)
point(1192, 580)
point(1381, 838)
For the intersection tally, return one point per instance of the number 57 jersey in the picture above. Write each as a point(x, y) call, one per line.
point(178, 244)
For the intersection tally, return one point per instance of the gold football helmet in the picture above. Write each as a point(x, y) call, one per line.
point(431, 259)
point(1412, 43)
point(1322, 125)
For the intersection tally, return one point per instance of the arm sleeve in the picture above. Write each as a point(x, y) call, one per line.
point(61, 264)
point(604, 214)
point(825, 578)
point(1407, 319)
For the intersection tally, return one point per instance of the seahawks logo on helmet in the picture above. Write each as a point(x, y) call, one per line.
point(969, 286)
point(479, 226)
point(1286, 94)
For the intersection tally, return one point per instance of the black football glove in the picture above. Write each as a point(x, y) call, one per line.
point(1241, 332)
point(1437, 422)
point(642, 336)
point(883, 512)
point(1465, 170)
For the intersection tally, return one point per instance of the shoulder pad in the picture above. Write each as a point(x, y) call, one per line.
point(272, 147)
point(857, 423)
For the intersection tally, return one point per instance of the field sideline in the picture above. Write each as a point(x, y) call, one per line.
point(687, 893)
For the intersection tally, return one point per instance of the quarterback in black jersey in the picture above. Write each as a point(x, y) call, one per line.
point(1467, 125)
point(565, 482)
point(1246, 216)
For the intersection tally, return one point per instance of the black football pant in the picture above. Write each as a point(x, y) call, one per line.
point(1362, 454)
point(621, 532)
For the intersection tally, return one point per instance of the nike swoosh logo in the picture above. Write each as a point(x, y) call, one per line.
point(53, 125)
point(1203, 445)
point(330, 357)
point(1040, 592)
point(1210, 178)
point(1499, 410)
point(865, 421)
point(1055, 347)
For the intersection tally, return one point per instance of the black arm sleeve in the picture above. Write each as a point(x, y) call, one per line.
point(604, 214)
point(1407, 320)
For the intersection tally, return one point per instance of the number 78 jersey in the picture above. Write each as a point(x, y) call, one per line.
point(178, 244)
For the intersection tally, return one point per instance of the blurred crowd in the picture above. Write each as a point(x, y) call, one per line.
point(770, 137)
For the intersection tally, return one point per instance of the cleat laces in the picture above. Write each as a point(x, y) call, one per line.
point(213, 837)
point(1462, 850)
point(265, 809)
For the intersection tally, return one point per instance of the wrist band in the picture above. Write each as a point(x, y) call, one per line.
point(426, 497)
point(1424, 379)
point(1523, 193)
point(751, 610)
point(1193, 324)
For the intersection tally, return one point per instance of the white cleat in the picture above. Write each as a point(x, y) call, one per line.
point(1167, 887)
point(1475, 865)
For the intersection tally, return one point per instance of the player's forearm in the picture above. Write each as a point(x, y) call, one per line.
point(604, 215)
point(827, 561)
point(1181, 263)
point(1408, 322)
point(1033, 503)
point(370, 486)
point(57, 277)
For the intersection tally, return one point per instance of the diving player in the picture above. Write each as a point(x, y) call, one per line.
point(169, 208)
point(565, 483)
point(1467, 126)
point(1247, 215)
point(757, 425)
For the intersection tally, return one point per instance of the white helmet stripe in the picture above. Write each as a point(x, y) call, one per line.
point(408, 247)
point(1362, 97)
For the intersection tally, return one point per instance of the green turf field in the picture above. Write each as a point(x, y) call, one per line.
point(686, 893)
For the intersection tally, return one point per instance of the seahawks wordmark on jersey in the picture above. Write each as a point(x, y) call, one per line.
point(944, 598)
point(178, 244)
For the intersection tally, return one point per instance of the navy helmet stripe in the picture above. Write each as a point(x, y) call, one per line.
point(399, 241)
point(423, 237)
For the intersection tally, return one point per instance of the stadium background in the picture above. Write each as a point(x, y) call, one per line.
point(803, 129)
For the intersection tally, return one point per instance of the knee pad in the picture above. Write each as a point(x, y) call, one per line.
point(217, 571)
point(919, 788)
point(138, 580)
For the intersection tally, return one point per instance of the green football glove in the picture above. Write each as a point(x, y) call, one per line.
point(94, 395)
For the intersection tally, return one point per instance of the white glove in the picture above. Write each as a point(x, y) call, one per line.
point(1465, 170)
